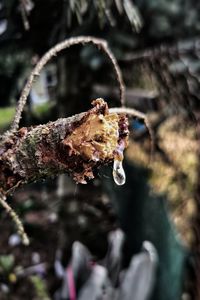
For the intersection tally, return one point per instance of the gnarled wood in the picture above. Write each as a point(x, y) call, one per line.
point(75, 145)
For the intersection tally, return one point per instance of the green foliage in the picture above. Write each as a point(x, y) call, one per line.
point(6, 116)
point(40, 111)
point(6, 263)
point(40, 288)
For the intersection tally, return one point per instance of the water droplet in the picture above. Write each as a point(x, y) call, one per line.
point(118, 173)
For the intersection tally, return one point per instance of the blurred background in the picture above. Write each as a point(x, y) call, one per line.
point(157, 46)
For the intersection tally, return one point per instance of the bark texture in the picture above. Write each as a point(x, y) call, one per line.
point(75, 145)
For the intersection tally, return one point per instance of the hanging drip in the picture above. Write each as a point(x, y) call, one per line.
point(119, 175)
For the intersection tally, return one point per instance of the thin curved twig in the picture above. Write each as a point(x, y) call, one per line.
point(100, 43)
point(15, 218)
point(135, 113)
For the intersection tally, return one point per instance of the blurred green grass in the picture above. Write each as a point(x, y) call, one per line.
point(42, 109)
point(6, 116)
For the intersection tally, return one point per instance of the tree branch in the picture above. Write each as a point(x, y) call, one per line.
point(75, 145)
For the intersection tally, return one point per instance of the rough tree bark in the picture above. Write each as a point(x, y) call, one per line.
point(75, 145)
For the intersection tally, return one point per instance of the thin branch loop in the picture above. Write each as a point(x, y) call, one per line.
point(100, 43)
point(135, 113)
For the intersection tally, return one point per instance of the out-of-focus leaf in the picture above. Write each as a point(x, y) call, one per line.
point(139, 279)
point(93, 288)
point(3, 26)
point(7, 262)
point(40, 288)
point(114, 256)
point(79, 268)
point(119, 6)
point(106, 280)
point(133, 14)
point(80, 259)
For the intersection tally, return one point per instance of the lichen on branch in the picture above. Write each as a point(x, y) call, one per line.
point(75, 145)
